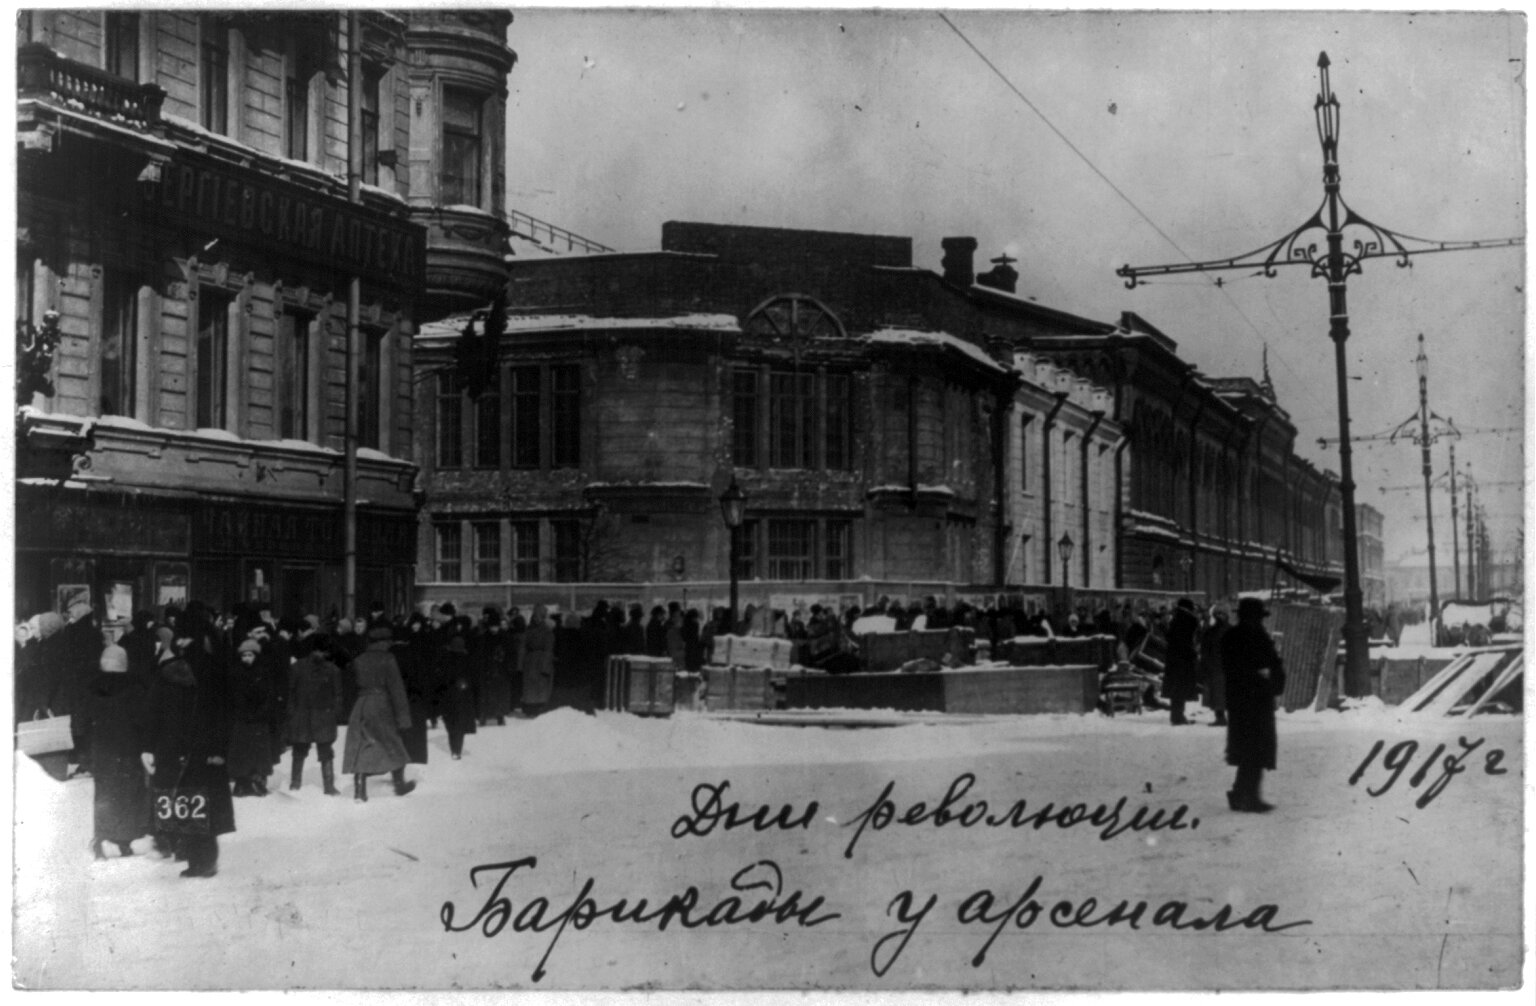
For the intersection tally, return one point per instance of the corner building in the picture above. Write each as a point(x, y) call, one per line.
point(183, 209)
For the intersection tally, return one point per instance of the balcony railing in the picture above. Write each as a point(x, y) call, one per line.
point(43, 73)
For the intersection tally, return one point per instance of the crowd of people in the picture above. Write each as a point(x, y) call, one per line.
point(204, 705)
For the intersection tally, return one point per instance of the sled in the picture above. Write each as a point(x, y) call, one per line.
point(1513, 670)
point(1441, 693)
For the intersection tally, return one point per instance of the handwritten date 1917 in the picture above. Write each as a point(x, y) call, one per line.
point(1401, 755)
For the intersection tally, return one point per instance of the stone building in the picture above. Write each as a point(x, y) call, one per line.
point(1373, 575)
point(184, 212)
point(854, 398)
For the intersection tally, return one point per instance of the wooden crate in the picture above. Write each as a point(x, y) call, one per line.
point(923, 692)
point(736, 688)
point(887, 651)
point(1059, 689)
point(754, 651)
point(642, 685)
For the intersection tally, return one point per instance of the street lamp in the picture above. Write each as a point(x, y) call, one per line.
point(733, 507)
point(1186, 564)
point(1064, 549)
point(1333, 260)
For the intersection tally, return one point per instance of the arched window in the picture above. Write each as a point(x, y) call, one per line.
point(794, 316)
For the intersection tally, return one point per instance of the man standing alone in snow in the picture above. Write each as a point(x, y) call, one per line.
point(1254, 677)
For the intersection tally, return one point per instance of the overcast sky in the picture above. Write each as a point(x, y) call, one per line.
point(890, 123)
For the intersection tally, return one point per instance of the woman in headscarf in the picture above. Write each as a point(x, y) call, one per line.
point(536, 661)
point(381, 711)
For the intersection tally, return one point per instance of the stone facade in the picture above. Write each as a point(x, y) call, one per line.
point(183, 209)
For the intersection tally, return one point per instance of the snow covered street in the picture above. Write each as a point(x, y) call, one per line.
point(847, 867)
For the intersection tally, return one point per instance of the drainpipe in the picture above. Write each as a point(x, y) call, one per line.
point(1125, 441)
point(1098, 417)
point(1045, 477)
point(1194, 495)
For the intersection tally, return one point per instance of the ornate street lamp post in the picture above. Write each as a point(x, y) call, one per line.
point(1064, 548)
point(1334, 264)
point(733, 507)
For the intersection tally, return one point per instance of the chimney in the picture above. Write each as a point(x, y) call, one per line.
point(1002, 276)
point(959, 267)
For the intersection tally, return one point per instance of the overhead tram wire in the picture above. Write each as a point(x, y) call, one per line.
point(1218, 283)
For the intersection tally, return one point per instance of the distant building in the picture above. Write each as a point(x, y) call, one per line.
point(183, 209)
point(1373, 576)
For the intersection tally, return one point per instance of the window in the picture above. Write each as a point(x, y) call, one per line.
point(122, 44)
point(791, 549)
point(296, 77)
point(211, 405)
point(373, 78)
point(461, 147)
point(119, 342)
point(808, 417)
point(488, 429)
point(744, 406)
point(450, 421)
point(792, 417)
point(525, 551)
point(533, 411)
point(487, 552)
point(796, 548)
point(525, 417)
point(371, 389)
point(213, 77)
point(1024, 452)
point(838, 551)
point(567, 550)
point(26, 284)
point(565, 415)
point(839, 422)
point(450, 544)
point(291, 396)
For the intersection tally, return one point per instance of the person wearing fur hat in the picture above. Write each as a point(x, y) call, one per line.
point(251, 703)
point(184, 749)
point(1255, 675)
point(314, 695)
point(373, 744)
point(121, 802)
point(457, 700)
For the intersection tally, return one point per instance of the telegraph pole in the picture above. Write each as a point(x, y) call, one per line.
point(1300, 247)
point(1425, 435)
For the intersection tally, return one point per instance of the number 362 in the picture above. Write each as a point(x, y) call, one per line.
point(182, 807)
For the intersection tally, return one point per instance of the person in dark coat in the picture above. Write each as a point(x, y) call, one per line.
point(250, 693)
point(1255, 676)
point(1180, 683)
point(140, 644)
point(1212, 678)
point(456, 701)
point(656, 633)
point(536, 661)
point(418, 669)
point(346, 646)
point(115, 706)
point(314, 696)
point(188, 733)
point(79, 650)
point(632, 635)
point(380, 713)
point(693, 645)
point(494, 691)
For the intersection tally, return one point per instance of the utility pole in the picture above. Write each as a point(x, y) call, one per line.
point(354, 314)
point(1424, 436)
point(1300, 247)
point(1455, 549)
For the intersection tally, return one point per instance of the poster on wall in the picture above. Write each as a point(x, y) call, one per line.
point(67, 595)
point(171, 584)
point(119, 601)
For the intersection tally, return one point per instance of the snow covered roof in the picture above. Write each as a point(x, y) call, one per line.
point(451, 327)
point(913, 337)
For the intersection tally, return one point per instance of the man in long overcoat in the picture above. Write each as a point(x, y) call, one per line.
point(381, 711)
point(121, 801)
point(1179, 682)
point(536, 661)
point(314, 697)
point(1254, 677)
